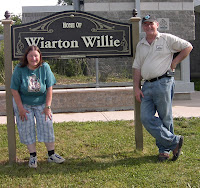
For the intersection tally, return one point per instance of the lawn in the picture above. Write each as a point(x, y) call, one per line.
point(102, 154)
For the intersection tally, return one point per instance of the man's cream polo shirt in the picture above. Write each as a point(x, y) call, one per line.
point(155, 60)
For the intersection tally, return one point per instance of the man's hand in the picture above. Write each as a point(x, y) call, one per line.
point(173, 66)
point(138, 94)
point(137, 84)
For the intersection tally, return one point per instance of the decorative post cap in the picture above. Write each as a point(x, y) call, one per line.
point(134, 12)
point(7, 15)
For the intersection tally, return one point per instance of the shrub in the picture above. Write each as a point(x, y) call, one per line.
point(2, 72)
point(68, 67)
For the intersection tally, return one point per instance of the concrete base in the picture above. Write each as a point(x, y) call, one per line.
point(182, 96)
point(91, 99)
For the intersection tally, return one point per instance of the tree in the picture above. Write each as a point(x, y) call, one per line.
point(2, 73)
point(65, 2)
point(17, 19)
point(1, 29)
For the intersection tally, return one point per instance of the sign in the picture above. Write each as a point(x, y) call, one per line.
point(163, 24)
point(73, 34)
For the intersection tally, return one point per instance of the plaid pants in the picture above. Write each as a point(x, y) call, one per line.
point(27, 128)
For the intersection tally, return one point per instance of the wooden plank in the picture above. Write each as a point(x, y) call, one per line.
point(9, 105)
point(138, 124)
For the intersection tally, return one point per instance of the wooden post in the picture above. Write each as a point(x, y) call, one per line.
point(9, 105)
point(138, 124)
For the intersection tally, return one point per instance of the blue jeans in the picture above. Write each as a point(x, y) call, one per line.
point(158, 96)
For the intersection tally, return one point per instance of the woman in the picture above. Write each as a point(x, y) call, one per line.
point(31, 86)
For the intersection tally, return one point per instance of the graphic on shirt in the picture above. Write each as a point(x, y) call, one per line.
point(33, 84)
point(159, 47)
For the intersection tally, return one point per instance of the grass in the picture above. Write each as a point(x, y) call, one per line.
point(80, 79)
point(102, 154)
point(92, 79)
point(61, 79)
point(86, 79)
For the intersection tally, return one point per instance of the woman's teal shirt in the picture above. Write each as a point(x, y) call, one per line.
point(32, 84)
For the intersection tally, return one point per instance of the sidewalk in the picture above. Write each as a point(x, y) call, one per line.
point(181, 108)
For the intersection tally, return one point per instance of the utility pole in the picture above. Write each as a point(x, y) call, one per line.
point(77, 5)
point(137, 6)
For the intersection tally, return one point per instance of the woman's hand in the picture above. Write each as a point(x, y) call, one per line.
point(22, 114)
point(48, 114)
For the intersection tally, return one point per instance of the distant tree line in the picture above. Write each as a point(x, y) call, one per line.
point(65, 2)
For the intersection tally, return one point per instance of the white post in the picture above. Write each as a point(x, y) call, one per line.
point(76, 4)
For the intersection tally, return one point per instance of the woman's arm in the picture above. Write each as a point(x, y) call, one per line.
point(47, 109)
point(22, 110)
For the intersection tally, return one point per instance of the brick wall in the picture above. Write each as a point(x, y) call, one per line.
point(179, 12)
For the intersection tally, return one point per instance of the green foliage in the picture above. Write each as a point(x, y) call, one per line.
point(103, 154)
point(69, 67)
point(1, 29)
point(17, 19)
point(2, 72)
point(2, 67)
point(196, 84)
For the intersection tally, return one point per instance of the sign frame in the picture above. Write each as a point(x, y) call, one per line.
point(93, 36)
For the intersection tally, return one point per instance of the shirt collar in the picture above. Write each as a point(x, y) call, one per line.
point(144, 41)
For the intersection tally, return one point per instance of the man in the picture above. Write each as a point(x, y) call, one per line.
point(155, 64)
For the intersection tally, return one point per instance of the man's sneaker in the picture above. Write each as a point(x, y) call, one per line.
point(177, 150)
point(163, 157)
point(55, 158)
point(33, 162)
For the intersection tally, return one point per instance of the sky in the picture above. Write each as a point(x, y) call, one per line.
point(196, 2)
point(15, 6)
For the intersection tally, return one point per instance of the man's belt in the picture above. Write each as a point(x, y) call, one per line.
point(158, 78)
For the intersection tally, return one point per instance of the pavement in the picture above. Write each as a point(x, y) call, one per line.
point(181, 108)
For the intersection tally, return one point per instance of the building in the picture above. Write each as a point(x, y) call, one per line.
point(195, 55)
point(172, 16)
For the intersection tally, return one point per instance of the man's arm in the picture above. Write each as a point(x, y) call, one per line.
point(137, 84)
point(180, 57)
